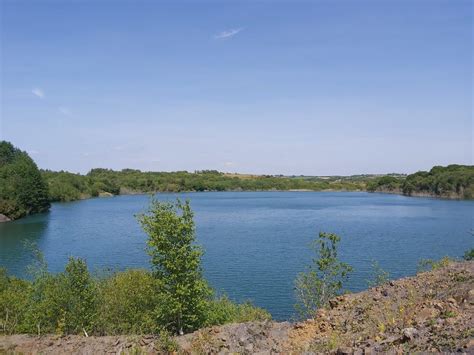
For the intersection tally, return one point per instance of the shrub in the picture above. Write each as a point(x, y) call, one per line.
point(324, 278)
point(379, 276)
point(14, 294)
point(222, 311)
point(429, 264)
point(469, 254)
point(65, 303)
point(127, 302)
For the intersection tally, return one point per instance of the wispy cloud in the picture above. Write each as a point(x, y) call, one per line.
point(38, 92)
point(229, 163)
point(228, 34)
point(65, 111)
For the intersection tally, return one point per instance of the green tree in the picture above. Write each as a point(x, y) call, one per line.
point(325, 277)
point(80, 306)
point(22, 188)
point(176, 264)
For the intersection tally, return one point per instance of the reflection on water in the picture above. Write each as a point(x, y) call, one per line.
point(255, 242)
point(17, 238)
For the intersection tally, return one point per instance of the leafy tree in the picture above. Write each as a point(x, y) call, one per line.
point(22, 188)
point(80, 301)
point(176, 263)
point(325, 276)
point(452, 180)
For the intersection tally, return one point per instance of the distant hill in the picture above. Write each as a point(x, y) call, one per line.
point(22, 188)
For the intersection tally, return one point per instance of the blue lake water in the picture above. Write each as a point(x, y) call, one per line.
point(255, 242)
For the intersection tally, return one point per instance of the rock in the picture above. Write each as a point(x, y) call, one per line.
point(145, 341)
point(249, 348)
point(452, 302)
point(391, 340)
point(4, 218)
point(299, 326)
point(470, 296)
point(469, 344)
point(410, 333)
point(344, 351)
point(242, 341)
point(333, 303)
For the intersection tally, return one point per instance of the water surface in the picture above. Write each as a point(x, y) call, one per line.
point(255, 242)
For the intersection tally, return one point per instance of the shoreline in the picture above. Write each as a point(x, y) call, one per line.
point(5, 219)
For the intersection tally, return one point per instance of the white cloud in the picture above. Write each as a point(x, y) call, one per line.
point(38, 92)
point(229, 163)
point(65, 111)
point(228, 34)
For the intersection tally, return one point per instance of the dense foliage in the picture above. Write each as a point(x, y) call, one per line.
point(457, 180)
point(386, 183)
point(172, 297)
point(22, 188)
point(450, 181)
point(75, 301)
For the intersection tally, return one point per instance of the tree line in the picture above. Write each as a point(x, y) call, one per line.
point(24, 189)
point(66, 186)
point(450, 181)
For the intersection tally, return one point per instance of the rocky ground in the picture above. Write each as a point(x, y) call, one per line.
point(432, 312)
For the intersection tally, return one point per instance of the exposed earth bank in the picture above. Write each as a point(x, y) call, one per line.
point(431, 312)
point(447, 195)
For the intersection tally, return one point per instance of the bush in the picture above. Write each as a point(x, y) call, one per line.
point(222, 311)
point(14, 295)
point(324, 278)
point(429, 264)
point(127, 302)
point(379, 276)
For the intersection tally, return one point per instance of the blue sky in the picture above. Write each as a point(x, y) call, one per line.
point(290, 87)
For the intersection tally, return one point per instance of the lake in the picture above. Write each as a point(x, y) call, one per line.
point(255, 242)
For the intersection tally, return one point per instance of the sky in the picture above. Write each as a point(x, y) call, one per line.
point(267, 87)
